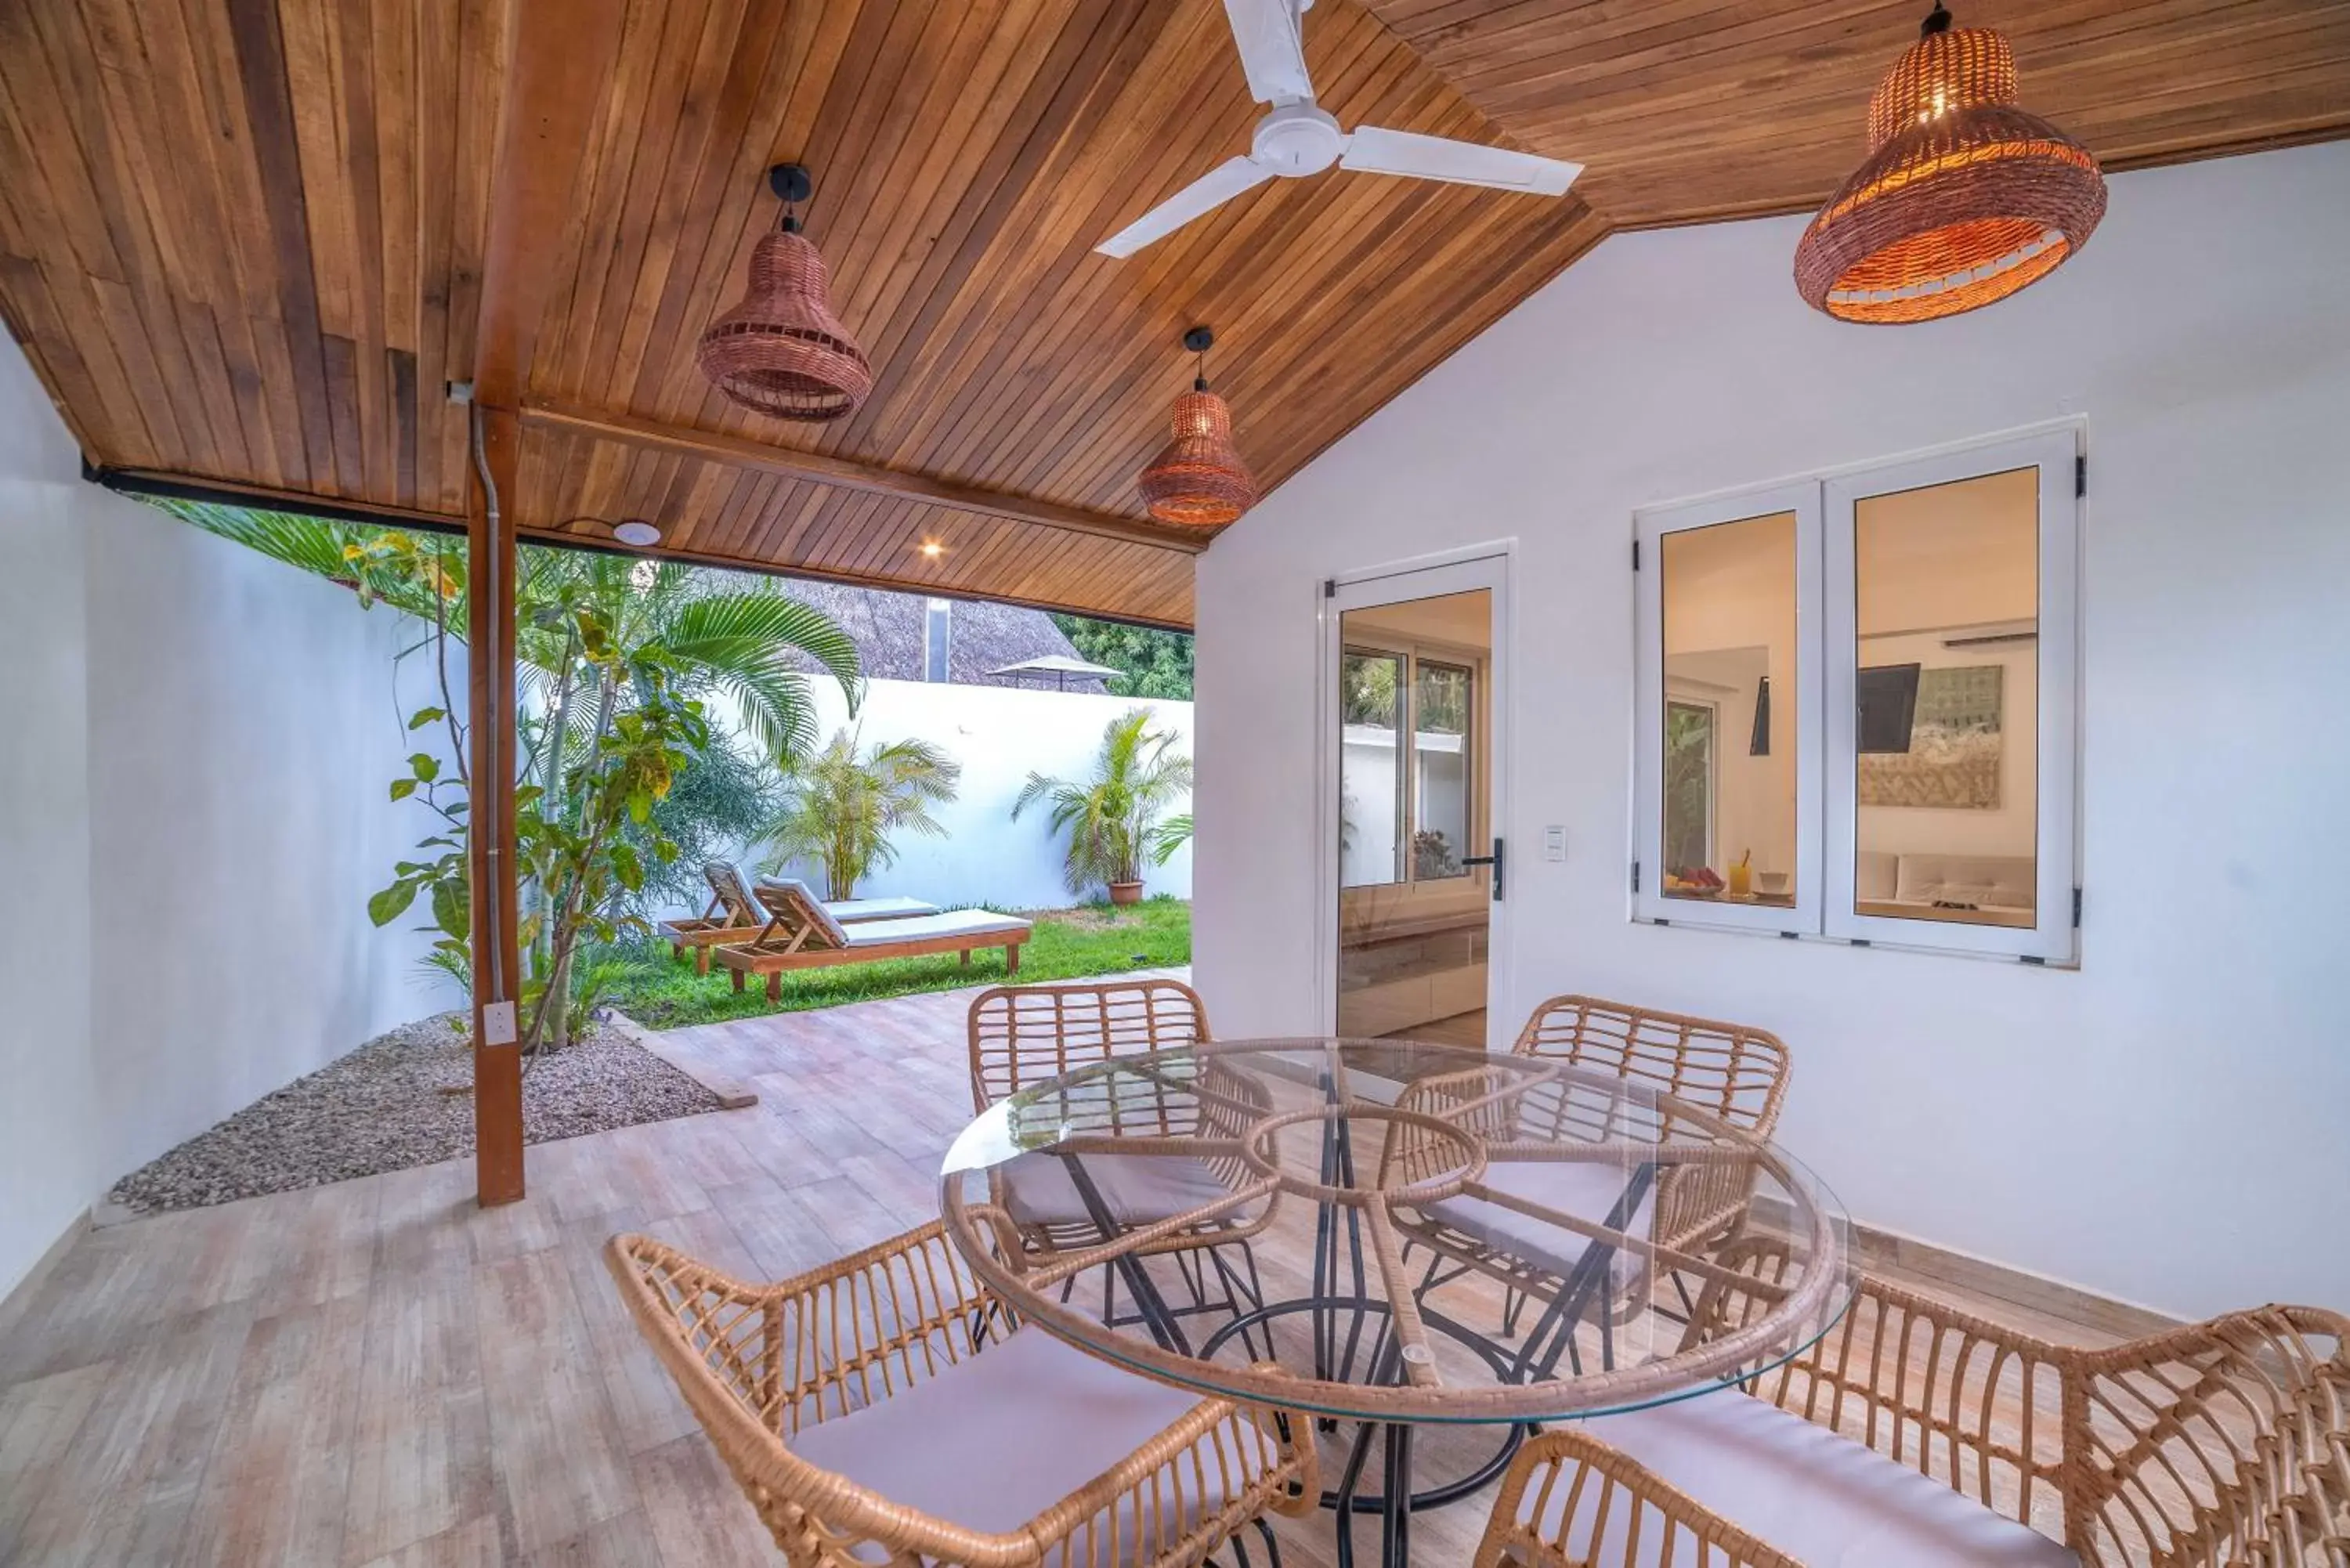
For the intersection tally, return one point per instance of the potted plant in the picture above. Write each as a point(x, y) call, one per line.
point(841, 807)
point(1114, 819)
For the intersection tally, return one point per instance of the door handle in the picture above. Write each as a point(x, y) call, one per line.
point(1494, 860)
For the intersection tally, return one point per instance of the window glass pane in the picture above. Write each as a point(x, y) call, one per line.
point(1440, 750)
point(1729, 718)
point(1370, 770)
point(1947, 583)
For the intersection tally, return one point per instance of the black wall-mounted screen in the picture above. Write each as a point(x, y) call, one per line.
point(1888, 706)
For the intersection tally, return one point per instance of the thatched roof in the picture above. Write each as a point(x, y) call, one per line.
point(887, 629)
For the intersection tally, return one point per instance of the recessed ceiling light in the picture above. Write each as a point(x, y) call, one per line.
point(637, 531)
point(934, 549)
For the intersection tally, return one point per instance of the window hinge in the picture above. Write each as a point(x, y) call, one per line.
point(1636, 875)
point(1329, 588)
point(2076, 908)
point(2081, 475)
point(2032, 958)
point(1791, 935)
point(1635, 555)
point(1859, 941)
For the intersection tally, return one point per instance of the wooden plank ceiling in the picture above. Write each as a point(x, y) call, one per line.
point(244, 240)
point(1688, 110)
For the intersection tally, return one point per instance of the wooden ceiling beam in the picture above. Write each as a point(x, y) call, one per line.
point(843, 473)
point(556, 79)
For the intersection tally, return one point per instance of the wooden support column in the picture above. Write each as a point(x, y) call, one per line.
point(497, 957)
point(556, 79)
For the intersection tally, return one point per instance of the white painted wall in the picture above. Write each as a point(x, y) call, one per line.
point(999, 735)
point(49, 1170)
point(2171, 1123)
point(192, 811)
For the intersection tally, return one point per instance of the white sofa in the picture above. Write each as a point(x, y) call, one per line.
point(1982, 881)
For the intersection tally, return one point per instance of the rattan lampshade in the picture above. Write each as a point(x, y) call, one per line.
point(782, 352)
point(1198, 480)
point(1964, 199)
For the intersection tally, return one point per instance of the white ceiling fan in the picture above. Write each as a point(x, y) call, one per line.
point(1300, 138)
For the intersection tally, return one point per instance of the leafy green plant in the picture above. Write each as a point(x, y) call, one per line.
point(1114, 818)
point(842, 806)
point(1175, 834)
point(615, 655)
point(1152, 663)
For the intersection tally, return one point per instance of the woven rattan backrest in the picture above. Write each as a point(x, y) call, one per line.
point(1738, 1073)
point(2222, 1442)
point(1023, 1035)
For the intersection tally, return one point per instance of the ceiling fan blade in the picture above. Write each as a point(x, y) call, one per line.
point(1375, 151)
point(1212, 190)
point(1272, 50)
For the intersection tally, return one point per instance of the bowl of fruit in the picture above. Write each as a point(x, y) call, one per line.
point(1693, 882)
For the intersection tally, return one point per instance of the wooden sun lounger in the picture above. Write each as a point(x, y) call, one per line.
point(734, 916)
point(802, 934)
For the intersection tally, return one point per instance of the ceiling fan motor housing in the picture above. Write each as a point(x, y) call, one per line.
point(1297, 140)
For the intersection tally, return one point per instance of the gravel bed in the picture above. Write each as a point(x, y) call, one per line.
point(383, 1107)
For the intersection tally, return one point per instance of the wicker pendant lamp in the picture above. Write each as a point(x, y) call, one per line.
point(1964, 199)
point(1198, 480)
point(782, 352)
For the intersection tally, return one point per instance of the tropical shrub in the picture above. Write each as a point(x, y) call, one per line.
point(615, 657)
point(842, 806)
point(1113, 819)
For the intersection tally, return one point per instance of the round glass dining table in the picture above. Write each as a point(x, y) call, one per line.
point(1382, 1235)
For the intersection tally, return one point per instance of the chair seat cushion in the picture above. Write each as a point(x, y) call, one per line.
point(923, 927)
point(1137, 1188)
point(992, 1441)
point(1824, 1500)
point(1586, 1189)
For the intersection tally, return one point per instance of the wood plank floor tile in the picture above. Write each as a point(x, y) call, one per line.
point(472, 1545)
point(421, 1462)
point(560, 1464)
point(272, 1492)
point(698, 1514)
point(120, 1497)
point(38, 1420)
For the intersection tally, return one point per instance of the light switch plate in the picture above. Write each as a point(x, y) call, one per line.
point(498, 1023)
point(1553, 843)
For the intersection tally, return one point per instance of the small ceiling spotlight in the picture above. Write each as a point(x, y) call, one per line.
point(634, 531)
point(932, 549)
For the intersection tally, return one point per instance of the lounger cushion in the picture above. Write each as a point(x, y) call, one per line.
point(994, 1440)
point(1137, 1188)
point(925, 927)
point(1824, 1500)
point(1587, 1190)
point(846, 910)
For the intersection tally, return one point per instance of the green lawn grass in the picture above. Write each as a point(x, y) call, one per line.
point(663, 992)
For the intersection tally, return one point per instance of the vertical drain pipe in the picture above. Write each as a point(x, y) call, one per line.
point(495, 750)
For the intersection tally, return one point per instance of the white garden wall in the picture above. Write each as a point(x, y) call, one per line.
point(195, 748)
point(2171, 1123)
point(999, 735)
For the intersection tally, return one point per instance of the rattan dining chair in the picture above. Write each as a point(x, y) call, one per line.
point(888, 1409)
point(1024, 1035)
point(1919, 1434)
point(1731, 1071)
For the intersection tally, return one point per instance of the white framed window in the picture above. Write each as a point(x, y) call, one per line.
point(1885, 749)
point(1726, 771)
point(1952, 638)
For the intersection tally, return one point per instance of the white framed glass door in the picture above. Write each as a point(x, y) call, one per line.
point(1413, 867)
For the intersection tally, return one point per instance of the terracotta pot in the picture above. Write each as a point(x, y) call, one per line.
point(1126, 893)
